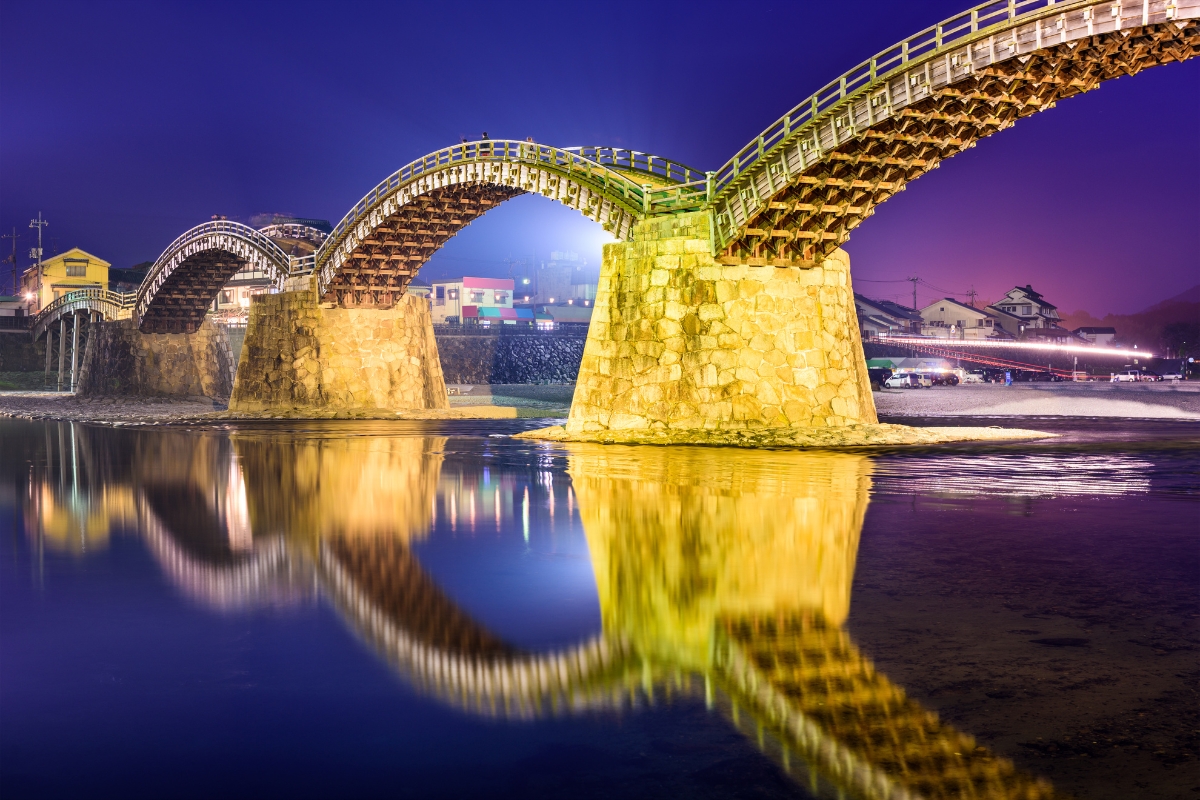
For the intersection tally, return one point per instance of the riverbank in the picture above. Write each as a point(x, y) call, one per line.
point(1127, 400)
point(507, 401)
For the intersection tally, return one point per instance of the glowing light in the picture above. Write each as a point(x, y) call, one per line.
point(985, 343)
point(29, 296)
point(525, 514)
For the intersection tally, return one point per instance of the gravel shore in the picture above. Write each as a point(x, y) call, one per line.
point(1134, 401)
point(1128, 400)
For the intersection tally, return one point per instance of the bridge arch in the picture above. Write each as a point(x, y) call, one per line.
point(108, 305)
point(376, 249)
point(797, 191)
point(182, 283)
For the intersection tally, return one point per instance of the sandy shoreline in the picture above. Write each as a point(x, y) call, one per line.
point(1135, 401)
point(1126, 400)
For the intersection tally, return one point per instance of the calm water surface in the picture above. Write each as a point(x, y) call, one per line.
point(404, 610)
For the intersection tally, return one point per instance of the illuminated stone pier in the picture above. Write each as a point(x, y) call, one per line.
point(299, 354)
point(679, 341)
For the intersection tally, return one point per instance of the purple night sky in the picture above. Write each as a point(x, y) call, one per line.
point(127, 123)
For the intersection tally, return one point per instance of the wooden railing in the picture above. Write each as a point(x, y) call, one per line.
point(982, 20)
point(112, 305)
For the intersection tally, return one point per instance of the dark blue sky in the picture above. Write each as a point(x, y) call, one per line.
point(126, 123)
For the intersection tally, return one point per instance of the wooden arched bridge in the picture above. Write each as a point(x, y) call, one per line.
point(790, 196)
point(787, 199)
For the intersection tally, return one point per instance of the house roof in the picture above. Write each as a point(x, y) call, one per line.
point(76, 252)
point(1093, 331)
point(888, 307)
point(955, 302)
point(1028, 291)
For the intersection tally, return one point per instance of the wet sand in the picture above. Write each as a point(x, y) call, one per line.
point(1128, 400)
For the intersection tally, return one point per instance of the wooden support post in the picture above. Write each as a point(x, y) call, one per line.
point(62, 340)
point(49, 349)
point(74, 347)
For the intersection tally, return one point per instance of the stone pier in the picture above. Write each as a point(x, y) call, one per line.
point(121, 360)
point(300, 355)
point(684, 349)
point(680, 341)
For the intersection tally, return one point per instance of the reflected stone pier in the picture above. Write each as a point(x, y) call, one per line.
point(301, 355)
point(721, 574)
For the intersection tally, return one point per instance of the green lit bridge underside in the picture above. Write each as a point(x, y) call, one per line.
point(786, 199)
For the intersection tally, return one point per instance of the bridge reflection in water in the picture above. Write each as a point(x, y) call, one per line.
point(720, 573)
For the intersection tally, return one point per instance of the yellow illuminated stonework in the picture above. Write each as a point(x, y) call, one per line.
point(681, 537)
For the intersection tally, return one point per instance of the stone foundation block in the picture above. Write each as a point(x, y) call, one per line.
point(299, 355)
point(748, 347)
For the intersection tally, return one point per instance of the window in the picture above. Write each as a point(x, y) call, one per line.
point(501, 298)
point(76, 267)
point(477, 295)
point(452, 294)
point(441, 292)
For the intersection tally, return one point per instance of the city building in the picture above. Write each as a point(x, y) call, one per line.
point(128, 280)
point(884, 318)
point(1100, 336)
point(562, 278)
point(419, 288)
point(231, 305)
point(570, 315)
point(1029, 306)
point(13, 315)
point(75, 269)
point(1010, 324)
point(1053, 336)
point(949, 319)
point(480, 300)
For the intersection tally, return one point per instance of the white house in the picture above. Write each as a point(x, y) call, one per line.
point(1100, 336)
point(1030, 307)
point(884, 318)
point(949, 319)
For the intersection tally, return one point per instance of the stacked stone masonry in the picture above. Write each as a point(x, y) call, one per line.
point(118, 359)
point(301, 355)
point(510, 357)
point(680, 341)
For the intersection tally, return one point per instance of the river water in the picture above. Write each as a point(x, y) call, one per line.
point(439, 610)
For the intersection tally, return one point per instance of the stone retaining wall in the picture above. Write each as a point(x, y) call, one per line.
point(120, 360)
point(299, 355)
point(510, 357)
point(681, 341)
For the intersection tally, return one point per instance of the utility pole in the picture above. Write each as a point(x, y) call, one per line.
point(12, 259)
point(971, 294)
point(914, 283)
point(39, 223)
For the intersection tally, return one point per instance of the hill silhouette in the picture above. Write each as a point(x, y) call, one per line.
point(1170, 327)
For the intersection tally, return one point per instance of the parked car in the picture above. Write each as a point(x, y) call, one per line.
point(925, 378)
point(945, 379)
point(879, 376)
point(1045, 377)
point(906, 380)
point(1172, 375)
point(1134, 375)
point(973, 377)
